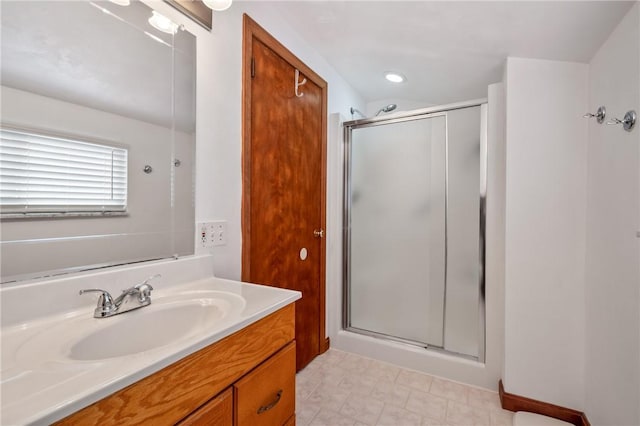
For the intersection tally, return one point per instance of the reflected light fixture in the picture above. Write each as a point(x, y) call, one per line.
point(217, 5)
point(121, 2)
point(394, 77)
point(162, 23)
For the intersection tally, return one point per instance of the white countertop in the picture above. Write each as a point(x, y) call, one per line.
point(40, 384)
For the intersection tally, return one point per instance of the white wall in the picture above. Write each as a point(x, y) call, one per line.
point(613, 218)
point(546, 161)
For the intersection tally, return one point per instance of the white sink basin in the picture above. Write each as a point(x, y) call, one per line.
point(171, 319)
point(148, 330)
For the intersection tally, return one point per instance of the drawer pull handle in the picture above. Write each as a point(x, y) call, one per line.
point(273, 404)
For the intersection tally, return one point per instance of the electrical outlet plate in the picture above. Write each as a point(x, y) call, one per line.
point(212, 233)
point(218, 232)
point(203, 238)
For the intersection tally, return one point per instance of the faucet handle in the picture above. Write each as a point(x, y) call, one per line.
point(146, 282)
point(106, 305)
point(144, 288)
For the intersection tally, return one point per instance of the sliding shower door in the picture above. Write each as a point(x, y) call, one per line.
point(414, 247)
point(398, 186)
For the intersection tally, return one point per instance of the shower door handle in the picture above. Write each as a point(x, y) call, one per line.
point(318, 233)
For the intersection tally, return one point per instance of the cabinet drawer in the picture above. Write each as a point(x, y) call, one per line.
point(218, 411)
point(266, 396)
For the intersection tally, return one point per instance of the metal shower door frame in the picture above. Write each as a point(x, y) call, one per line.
point(419, 114)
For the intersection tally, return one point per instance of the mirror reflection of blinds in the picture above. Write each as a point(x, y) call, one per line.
point(41, 174)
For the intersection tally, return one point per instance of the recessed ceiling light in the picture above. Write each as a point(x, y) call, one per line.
point(121, 2)
point(394, 77)
point(162, 23)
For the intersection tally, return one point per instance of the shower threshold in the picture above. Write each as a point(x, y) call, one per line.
point(410, 342)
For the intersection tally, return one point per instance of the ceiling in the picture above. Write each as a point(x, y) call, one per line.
point(448, 50)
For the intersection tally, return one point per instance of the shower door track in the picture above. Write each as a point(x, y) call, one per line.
point(417, 114)
point(410, 342)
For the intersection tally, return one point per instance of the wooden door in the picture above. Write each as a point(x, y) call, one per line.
point(284, 174)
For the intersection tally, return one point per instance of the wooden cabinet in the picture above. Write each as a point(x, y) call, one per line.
point(266, 396)
point(218, 411)
point(218, 385)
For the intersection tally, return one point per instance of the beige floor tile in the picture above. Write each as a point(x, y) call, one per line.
point(427, 405)
point(450, 390)
point(310, 369)
point(332, 356)
point(363, 408)
point(305, 412)
point(306, 384)
point(391, 393)
point(383, 371)
point(431, 422)
point(414, 380)
point(331, 418)
point(464, 415)
point(355, 363)
point(396, 416)
point(328, 396)
point(340, 388)
point(331, 374)
point(357, 384)
point(483, 399)
point(501, 417)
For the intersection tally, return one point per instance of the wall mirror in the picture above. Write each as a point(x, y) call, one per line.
point(98, 137)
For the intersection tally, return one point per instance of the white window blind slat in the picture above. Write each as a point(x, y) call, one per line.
point(46, 174)
point(9, 169)
point(19, 146)
point(64, 163)
point(44, 184)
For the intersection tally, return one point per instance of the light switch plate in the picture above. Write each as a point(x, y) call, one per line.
point(218, 232)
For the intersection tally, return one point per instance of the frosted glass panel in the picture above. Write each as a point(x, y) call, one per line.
point(463, 243)
point(398, 229)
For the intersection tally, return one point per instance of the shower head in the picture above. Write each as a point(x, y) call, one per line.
point(354, 110)
point(387, 108)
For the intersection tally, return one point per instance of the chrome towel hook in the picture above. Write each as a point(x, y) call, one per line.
point(627, 122)
point(599, 115)
point(299, 83)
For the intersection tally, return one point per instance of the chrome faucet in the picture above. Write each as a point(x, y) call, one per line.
point(132, 298)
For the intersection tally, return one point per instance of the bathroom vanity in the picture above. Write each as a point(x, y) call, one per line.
point(205, 351)
point(247, 378)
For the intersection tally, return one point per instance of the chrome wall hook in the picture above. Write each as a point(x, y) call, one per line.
point(299, 83)
point(628, 121)
point(599, 115)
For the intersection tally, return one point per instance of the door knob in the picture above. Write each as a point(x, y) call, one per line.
point(318, 233)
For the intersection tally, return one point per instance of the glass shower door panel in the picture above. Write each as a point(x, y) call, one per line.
point(462, 330)
point(398, 229)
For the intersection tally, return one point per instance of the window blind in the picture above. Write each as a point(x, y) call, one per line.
point(41, 174)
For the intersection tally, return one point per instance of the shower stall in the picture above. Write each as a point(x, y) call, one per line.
point(414, 197)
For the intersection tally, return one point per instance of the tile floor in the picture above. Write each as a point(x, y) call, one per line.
point(340, 388)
